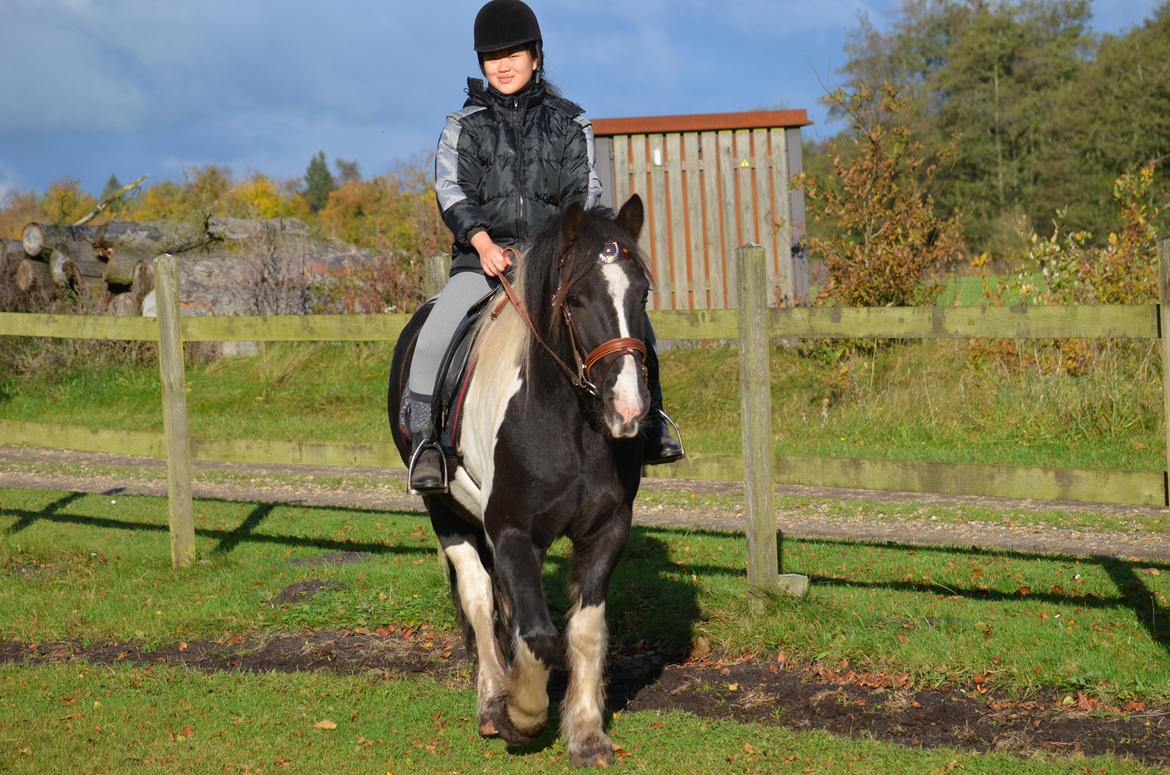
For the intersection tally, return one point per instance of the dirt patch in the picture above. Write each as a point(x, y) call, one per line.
point(333, 558)
point(304, 591)
point(751, 692)
point(640, 679)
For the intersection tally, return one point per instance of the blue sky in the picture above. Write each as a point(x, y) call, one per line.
point(133, 87)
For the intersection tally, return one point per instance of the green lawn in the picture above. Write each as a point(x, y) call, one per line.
point(80, 719)
point(933, 401)
point(95, 569)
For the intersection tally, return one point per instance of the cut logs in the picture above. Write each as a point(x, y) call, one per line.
point(31, 274)
point(64, 271)
point(228, 266)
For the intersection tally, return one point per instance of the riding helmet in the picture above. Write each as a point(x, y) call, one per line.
point(504, 24)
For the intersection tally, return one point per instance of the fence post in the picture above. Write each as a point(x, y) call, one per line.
point(755, 385)
point(438, 269)
point(1164, 331)
point(170, 358)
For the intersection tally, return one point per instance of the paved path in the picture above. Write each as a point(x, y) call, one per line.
point(92, 472)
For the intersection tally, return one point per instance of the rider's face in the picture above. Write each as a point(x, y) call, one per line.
point(509, 71)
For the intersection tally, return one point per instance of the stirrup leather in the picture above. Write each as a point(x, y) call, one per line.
point(442, 461)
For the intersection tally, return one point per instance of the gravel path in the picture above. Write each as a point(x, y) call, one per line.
point(376, 490)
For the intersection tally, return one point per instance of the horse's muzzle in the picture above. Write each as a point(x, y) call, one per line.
point(627, 401)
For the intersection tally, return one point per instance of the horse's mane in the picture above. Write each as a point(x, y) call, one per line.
point(537, 276)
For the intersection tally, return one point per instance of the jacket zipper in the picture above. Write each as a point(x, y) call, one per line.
point(519, 129)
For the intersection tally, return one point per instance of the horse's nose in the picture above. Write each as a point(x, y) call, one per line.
point(629, 411)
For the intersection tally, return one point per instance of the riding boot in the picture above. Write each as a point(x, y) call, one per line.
point(660, 445)
point(428, 468)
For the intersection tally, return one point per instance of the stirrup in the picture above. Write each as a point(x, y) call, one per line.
point(682, 452)
point(427, 445)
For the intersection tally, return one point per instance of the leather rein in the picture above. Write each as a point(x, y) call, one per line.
point(581, 377)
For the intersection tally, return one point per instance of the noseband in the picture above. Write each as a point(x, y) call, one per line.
point(582, 377)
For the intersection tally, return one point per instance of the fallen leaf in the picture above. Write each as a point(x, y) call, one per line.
point(182, 645)
point(325, 724)
point(733, 687)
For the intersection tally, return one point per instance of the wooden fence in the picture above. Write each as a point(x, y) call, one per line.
point(753, 324)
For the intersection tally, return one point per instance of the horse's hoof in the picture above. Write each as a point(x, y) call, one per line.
point(497, 717)
point(597, 751)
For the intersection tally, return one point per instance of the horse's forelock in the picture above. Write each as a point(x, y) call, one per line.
point(539, 277)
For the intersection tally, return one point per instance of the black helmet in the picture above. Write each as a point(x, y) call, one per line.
point(503, 24)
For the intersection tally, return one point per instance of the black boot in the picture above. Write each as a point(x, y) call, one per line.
point(660, 445)
point(428, 467)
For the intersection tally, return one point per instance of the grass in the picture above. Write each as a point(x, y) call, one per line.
point(1004, 403)
point(70, 718)
point(96, 568)
point(115, 719)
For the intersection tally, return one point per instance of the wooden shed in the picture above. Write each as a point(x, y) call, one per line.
point(711, 183)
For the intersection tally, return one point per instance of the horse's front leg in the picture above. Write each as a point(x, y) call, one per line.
point(523, 712)
point(582, 713)
point(472, 588)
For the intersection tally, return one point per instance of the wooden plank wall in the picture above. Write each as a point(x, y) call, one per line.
point(707, 193)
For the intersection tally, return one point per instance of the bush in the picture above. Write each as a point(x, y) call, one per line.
point(887, 244)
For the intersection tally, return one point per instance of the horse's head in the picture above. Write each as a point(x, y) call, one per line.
point(601, 296)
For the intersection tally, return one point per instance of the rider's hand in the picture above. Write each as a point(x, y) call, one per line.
point(492, 257)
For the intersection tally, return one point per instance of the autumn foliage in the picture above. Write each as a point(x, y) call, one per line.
point(394, 217)
point(885, 244)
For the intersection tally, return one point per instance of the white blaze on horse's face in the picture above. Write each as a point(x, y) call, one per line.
point(630, 397)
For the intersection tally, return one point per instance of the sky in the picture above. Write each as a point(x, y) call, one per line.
point(91, 88)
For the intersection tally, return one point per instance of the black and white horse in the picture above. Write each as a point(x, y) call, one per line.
point(549, 447)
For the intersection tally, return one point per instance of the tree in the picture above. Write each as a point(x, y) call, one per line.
point(1116, 117)
point(318, 183)
point(888, 243)
point(981, 78)
point(112, 187)
point(65, 201)
point(260, 197)
point(347, 171)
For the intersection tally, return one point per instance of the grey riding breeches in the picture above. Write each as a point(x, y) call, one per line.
point(461, 291)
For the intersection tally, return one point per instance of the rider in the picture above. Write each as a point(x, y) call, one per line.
point(507, 163)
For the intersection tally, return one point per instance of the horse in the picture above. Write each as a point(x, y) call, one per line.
point(549, 446)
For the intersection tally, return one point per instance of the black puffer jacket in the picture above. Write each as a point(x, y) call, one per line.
point(508, 164)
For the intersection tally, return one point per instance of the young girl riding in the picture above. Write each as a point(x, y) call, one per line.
point(507, 164)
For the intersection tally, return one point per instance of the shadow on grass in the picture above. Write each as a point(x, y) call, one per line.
point(29, 518)
point(228, 539)
point(651, 600)
point(1153, 616)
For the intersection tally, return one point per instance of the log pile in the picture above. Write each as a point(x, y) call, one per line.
point(227, 266)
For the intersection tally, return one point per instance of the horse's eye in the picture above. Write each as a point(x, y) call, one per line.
point(609, 253)
point(572, 300)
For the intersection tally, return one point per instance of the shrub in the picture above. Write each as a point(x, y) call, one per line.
point(888, 244)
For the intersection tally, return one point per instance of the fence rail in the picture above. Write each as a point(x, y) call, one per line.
point(1147, 488)
point(1065, 322)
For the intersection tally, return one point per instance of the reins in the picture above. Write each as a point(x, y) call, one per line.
point(581, 378)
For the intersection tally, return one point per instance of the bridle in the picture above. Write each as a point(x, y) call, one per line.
point(582, 376)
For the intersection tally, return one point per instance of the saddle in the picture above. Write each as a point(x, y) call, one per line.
point(455, 370)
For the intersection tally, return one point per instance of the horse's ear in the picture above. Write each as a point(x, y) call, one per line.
point(631, 217)
point(573, 222)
